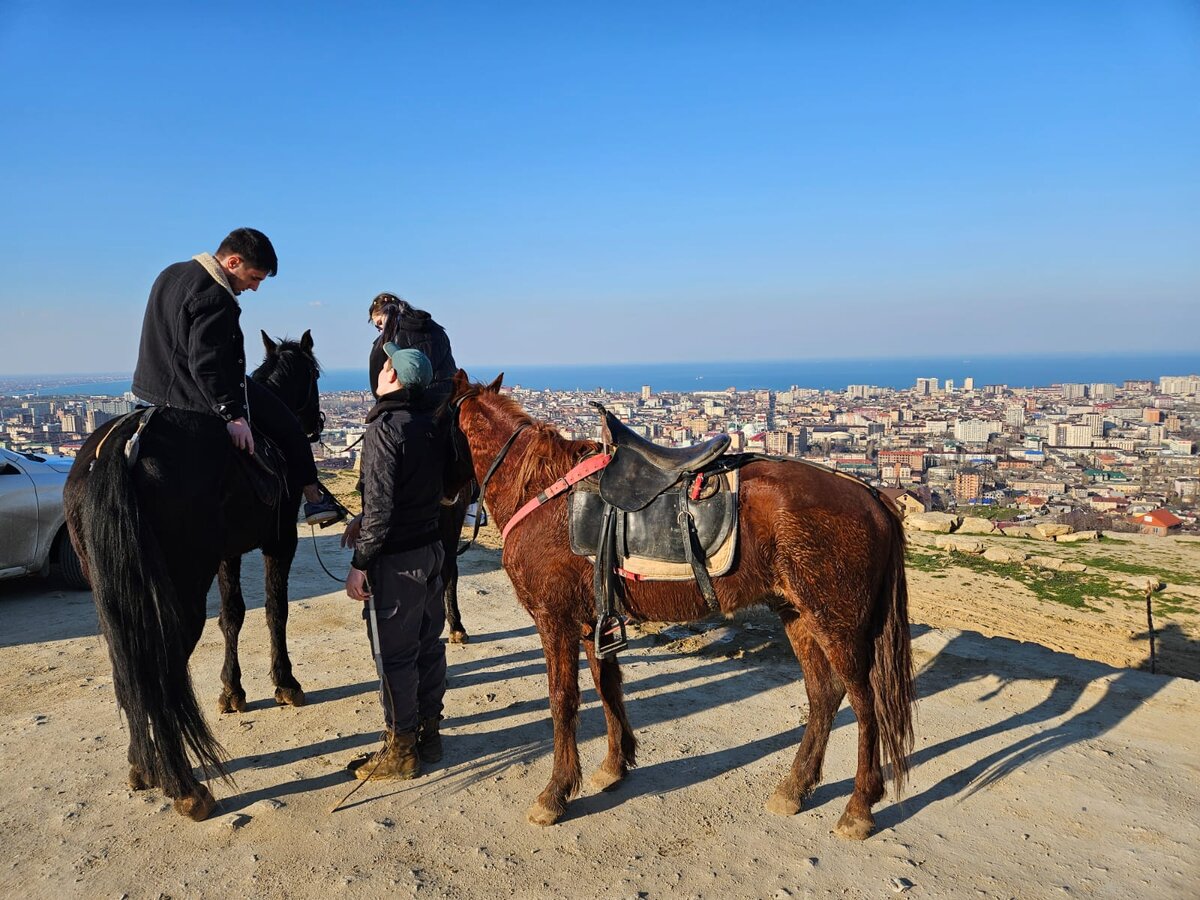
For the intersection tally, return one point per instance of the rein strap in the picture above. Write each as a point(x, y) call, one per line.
point(589, 466)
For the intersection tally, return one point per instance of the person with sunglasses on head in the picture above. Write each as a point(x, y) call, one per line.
point(192, 357)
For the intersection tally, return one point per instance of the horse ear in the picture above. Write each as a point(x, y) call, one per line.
point(494, 387)
point(461, 381)
point(306, 341)
point(269, 344)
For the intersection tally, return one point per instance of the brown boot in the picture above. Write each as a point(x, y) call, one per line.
point(397, 758)
point(429, 740)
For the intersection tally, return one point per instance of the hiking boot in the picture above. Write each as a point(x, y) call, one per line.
point(397, 758)
point(325, 511)
point(429, 740)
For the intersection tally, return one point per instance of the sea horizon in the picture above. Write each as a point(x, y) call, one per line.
point(1014, 370)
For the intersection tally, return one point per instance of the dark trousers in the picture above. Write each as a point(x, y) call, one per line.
point(271, 416)
point(406, 589)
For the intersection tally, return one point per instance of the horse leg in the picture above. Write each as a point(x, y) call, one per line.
point(857, 822)
point(277, 563)
point(560, 642)
point(233, 613)
point(457, 633)
point(825, 692)
point(622, 745)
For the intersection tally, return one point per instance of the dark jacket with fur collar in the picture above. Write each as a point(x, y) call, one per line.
point(192, 354)
point(404, 457)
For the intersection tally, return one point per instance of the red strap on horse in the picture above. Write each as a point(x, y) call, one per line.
point(589, 466)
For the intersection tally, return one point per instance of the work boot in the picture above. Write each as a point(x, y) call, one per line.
point(397, 758)
point(429, 740)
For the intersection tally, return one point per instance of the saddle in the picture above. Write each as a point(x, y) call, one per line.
point(654, 513)
point(265, 471)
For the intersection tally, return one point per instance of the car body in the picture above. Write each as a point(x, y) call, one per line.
point(33, 530)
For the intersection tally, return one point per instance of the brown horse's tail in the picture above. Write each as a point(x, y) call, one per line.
point(891, 672)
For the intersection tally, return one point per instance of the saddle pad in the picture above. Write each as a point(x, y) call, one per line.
point(650, 541)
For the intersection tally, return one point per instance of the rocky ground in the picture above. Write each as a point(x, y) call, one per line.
point(1044, 765)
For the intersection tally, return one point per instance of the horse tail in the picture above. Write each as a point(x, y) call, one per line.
point(891, 671)
point(144, 625)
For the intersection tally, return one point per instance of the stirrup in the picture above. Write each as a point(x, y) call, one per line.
point(610, 635)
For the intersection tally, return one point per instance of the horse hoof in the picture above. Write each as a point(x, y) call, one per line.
point(853, 828)
point(604, 780)
point(782, 805)
point(197, 806)
point(228, 703)
point(139, 780)
point(289, 696)
point(542, 815)
point(459, 637)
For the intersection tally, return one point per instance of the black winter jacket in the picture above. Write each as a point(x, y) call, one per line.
point(417, 329)
point(404, 456)
point(192, 354)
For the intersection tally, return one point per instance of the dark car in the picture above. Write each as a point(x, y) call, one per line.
point(33, 531)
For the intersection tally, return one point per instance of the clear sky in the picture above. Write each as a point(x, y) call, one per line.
point(611, 181)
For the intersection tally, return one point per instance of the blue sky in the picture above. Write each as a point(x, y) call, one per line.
point(611, 182)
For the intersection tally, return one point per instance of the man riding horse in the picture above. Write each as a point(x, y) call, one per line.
point(192, 357)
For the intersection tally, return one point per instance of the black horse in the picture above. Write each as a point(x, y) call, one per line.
point(152, 536)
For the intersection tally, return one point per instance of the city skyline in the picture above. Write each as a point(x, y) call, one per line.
point(614, 184)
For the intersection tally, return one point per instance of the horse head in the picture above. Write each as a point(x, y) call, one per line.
point(291, 372)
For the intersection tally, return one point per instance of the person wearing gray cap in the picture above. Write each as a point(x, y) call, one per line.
point(397, 564)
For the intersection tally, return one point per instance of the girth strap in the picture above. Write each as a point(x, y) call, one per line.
point(693, 551)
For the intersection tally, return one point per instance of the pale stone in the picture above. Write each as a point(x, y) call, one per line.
point(1025, 531)
point(1046, 562)
point(935, 522)
point(1072, 567)
point(957, 544)
point(1145, 582)
point(1077, 536)
point(1005, 555)
point(1051, 529)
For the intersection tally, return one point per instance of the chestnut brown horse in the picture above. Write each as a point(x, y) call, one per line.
point(823, 550)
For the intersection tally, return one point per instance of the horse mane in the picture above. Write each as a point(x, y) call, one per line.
point(547, 455)
point(278, 367)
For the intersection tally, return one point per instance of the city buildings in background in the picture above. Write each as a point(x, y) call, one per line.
point(1103, 455)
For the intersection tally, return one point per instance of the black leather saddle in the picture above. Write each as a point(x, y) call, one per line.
point(265, 471)
point(641, 470)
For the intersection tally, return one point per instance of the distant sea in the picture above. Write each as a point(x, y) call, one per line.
point(826, 374)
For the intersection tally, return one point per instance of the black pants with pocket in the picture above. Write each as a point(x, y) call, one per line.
point(406, 589)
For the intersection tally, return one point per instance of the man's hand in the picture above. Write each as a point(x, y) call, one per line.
point(356, 585)
point(239, 433)
point(353, 529)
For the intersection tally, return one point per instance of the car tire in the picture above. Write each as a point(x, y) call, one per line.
point(70, 569)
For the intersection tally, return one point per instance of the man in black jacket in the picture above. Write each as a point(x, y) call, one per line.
point(398, 563)
point(192, 357)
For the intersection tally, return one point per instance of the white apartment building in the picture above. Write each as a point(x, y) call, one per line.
point(974, 431)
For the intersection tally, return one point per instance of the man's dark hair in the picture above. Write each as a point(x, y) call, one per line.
point(253, 247)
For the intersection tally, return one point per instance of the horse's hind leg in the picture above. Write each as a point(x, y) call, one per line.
point(233, 613)
point(560, 641)
point(277, 563)
point(622, 745)
point(825, 692)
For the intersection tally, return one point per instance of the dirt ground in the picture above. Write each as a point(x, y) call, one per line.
point(1038, 771)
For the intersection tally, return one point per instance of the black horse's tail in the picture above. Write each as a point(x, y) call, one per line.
point(891, 671)
point(145, 627)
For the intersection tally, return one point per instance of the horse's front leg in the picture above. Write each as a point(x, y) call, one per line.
point(451, 525)
point(560, 642)
point(277, 563)
point(622, 745)
point(233, 613)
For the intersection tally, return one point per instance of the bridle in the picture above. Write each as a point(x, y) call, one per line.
point(455, 408)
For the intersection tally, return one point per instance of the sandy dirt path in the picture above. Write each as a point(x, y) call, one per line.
point(1037, 774)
